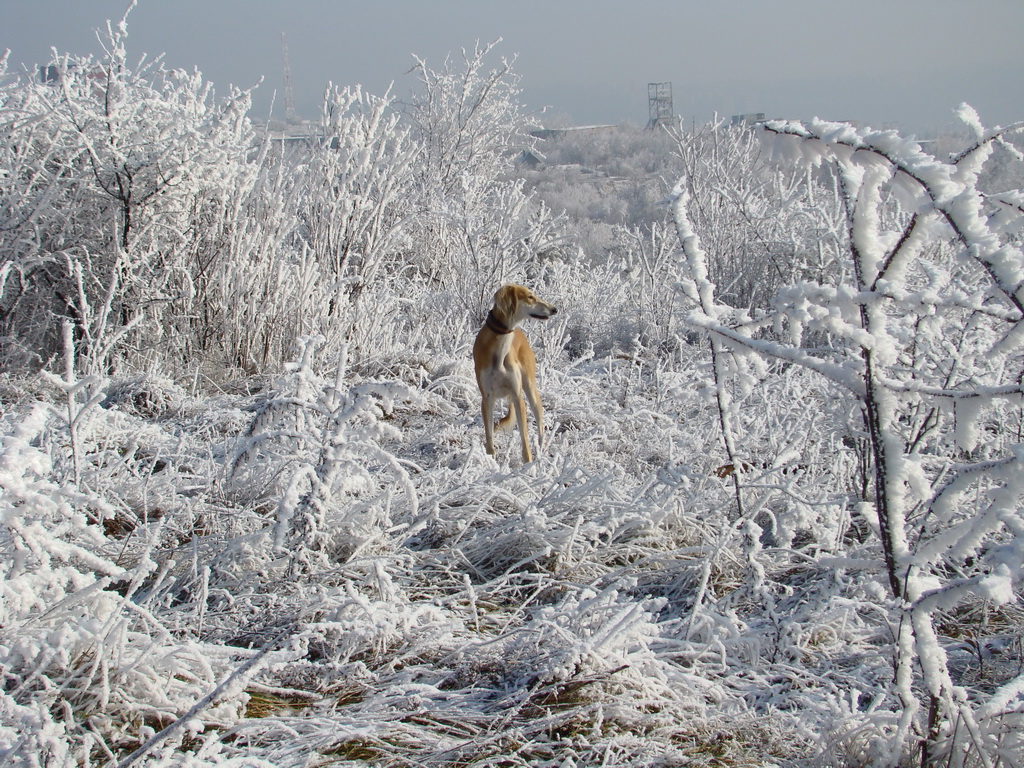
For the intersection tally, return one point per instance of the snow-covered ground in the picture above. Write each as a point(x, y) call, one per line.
point(602, 605)
point(596, 605)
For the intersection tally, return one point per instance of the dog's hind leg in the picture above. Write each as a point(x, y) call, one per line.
point(520, 407)
point(506, 422)
point(538, 413)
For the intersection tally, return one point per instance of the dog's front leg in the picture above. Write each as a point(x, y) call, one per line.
point(487, 405)
point(521, 419)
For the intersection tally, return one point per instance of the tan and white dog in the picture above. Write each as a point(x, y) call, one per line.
point(505, 365)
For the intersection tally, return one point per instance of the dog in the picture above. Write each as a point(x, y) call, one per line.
point(506, 367)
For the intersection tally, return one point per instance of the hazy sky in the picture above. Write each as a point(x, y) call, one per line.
point(902, 62)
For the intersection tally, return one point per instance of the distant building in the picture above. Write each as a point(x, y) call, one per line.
point(49, 74)
point(531, 159)
point(557, 133)
point(750, 118)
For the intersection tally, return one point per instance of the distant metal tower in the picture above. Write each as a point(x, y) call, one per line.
point(289, 101)
point(659, 95)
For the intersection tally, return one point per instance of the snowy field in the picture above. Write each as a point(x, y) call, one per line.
point(247, 518)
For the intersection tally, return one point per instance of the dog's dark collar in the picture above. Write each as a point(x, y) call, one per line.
point(496, 325)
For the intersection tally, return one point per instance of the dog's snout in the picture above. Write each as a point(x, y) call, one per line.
point(543, 311)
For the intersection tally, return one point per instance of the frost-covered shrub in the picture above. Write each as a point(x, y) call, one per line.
point(69, 649)
point(110, 169)
point(763, 226)
point(922, 329)
point(316, 446)
point(145, 396)
point(50, 546)
point(477, 226)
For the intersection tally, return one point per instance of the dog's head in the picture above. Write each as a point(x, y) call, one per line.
point(514, 303)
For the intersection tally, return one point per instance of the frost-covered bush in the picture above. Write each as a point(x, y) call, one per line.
point(111, 174)
point(922, 328)
point(477, 226)
point(763, 226)
point(316, 446)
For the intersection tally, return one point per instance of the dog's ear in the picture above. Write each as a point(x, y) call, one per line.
point(505, 302)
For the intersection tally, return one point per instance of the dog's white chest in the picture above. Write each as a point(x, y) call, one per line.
point(501, 377)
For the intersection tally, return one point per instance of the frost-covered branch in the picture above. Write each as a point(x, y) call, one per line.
point(699, 288)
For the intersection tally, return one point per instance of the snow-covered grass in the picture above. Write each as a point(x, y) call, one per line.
point(413, 601)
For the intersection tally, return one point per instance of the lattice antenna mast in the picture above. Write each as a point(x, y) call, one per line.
point(659, 96)
point(289, 101)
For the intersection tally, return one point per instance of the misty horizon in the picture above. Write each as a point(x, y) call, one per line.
point(908, 66)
